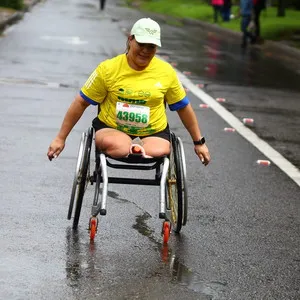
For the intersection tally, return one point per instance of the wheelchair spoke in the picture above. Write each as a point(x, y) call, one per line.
point(172, 190)
point(173, 204)
point(175, 187)
point(83, 174)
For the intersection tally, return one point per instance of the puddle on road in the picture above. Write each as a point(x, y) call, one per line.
point(81, 261)
point(219, 60)
point(180, 274)
point(142, 227)
point(116, 196)
point(184, 276)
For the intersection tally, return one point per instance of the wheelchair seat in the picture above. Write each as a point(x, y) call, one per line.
point(136, 159)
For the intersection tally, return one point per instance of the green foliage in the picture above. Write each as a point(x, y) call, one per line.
point(289, 4)
point(15, 4)
point(272, 27)
point(195, 9)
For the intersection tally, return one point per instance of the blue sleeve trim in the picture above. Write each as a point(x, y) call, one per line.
point(181, 104)
point(87, 99)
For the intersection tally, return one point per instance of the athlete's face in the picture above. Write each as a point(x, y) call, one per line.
point(139, 55)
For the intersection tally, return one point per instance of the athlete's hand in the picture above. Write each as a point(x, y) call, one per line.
point(203, 153)
point(55, 148)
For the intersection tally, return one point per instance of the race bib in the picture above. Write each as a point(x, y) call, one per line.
point(132, 115)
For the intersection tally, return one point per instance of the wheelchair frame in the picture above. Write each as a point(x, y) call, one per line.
point(170, 175)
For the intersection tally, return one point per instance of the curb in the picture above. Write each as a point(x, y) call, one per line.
point(28, 7)
point(14, 18)
point(277, 46)
point(283, 48)
point(213, 27)
point(11, 20)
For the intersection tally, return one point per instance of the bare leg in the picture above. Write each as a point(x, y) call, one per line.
point(155, 146)
point(113, 142)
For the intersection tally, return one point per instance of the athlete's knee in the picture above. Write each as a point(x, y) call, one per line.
point(157, 150)
point(113, 145)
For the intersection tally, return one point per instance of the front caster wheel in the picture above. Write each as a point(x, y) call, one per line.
point(93, 227)
point(166, 231)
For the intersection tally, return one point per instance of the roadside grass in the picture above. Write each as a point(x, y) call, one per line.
point(177, 8)
point(272, 27)
point(7, 10)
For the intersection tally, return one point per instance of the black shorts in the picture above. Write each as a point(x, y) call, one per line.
point(164, 134)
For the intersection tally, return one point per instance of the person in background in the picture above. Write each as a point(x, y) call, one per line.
point(246, 13)
point(226, 10)
point(217, 6)
point(258, 6)
point(102, 4)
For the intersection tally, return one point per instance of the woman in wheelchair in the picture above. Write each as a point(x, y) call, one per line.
point(132, 90)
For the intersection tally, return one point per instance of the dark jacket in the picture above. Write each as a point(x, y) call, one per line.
point(227, 3)
point(259, 4)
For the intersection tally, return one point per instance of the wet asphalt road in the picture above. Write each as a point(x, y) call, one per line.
point(242, 237)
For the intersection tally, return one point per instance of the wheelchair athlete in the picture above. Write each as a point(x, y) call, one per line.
point(132, 89)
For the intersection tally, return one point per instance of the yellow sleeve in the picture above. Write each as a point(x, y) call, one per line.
point(94, 90)
point(176, 91)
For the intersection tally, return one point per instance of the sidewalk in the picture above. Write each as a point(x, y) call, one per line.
point(9, 16)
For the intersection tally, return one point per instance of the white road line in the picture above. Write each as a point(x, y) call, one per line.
point(287, 167)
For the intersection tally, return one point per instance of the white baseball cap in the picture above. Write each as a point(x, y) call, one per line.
point(146, 31)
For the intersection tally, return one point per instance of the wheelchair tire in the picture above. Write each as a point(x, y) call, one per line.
point(184, 190)
point(82, 177)
point(75, 180)
point(174, 186)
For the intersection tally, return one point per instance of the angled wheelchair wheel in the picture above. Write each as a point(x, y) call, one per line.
point(174, 186)
point(184, 190)
point(76, 175)
point(81, 177)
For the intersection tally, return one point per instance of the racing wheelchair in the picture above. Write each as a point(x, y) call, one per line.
point(170, 175)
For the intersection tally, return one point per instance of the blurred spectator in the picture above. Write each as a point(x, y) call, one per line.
point(217, 5)
point(102, 4)
point(226, 10)
point(258, 6)
point(246, 12)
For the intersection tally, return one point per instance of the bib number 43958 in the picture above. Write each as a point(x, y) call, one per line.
point(132, 115)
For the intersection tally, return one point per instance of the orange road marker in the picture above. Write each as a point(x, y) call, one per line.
point(248, 121)
point(263, 162)
point(202, 105)
point(229, 129)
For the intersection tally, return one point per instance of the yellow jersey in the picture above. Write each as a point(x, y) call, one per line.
point(134, 101)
